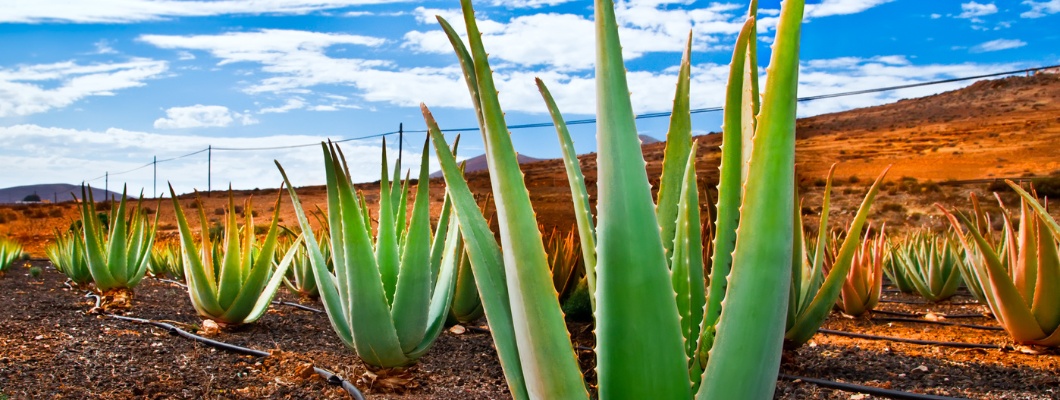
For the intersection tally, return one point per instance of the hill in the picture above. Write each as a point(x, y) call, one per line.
point(51, 192)
point(478, 163)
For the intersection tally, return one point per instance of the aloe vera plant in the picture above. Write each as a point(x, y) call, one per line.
point(383, 299)
point(167, 260)
point(117, 257)
point(931, 263)
point(893, 270)
point(10, 251)
point(649, 334)
point(67, 253)
point(1023, 296)
point(814, 293)
point(231, 281)
point(299, 277)
point(864, 284)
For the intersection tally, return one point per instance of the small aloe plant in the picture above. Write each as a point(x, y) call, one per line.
point(864, 284)
point(931, 263)
point(299, 278)
point(231, 281)
point(10, 251)
point(117, 257)
point(1023, 297)
point(67, 253)
point(167, 260)
point(643, 264)
point(383, 299)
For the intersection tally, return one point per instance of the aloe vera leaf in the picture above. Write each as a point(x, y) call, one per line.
point(468, 66)
point(443, 293)
point(816, 312)
point(386, 245)
point(582, 214)
point(632, 360)
point(1025, 275)
point(231, 278)
point(413, 294)
point(486, 261)
point(751, 104)
point(440, 234)
point(1045, 304)
point(549, 364)
point(744, 361)
point(678, 145)
point(687, 263)
point(201, 287)
point(117, 253)
point(248, 305)
point(331, 287)
point(730, 187)
point(812, 278)
point(1012, 310)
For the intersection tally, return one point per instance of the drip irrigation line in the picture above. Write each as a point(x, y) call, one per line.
point(928, 321)
point(916, 341)
point(917, 315)
point(918, 302)
point(328, 376)
point(871, 390)
point(296, 305)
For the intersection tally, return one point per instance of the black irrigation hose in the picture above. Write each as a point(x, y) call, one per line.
point(919, 302)
point(928, 321)
point(296, 305)
point(871, 390)
point(916, 341)
point(918, 315)
point(328, 376)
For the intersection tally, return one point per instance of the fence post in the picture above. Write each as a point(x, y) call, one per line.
point(155, 163)
point(209, 169)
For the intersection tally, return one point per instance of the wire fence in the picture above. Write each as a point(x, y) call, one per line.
point(210, 149)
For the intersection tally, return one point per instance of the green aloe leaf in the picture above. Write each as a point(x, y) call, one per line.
point(745, 357)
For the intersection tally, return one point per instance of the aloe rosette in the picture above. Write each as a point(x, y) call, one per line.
point(117, 257)
point(383, 299)
point(167, 260)
point(1022, 292)
point(67, 254)
point(10, 251)
point(864, 284)
point(231, 281)
point(931, 263)
point(647, 296)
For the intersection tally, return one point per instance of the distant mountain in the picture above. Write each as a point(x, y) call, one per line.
point(479, 164)
point(51, 192)
point(645, 139)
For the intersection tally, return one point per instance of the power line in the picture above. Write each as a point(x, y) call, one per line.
point(651, 115)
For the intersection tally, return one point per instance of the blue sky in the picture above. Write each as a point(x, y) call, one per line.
point(88, 87)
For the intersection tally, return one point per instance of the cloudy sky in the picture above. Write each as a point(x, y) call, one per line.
point(89, 88)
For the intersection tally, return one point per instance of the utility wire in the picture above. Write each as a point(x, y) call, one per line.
point(585, 121)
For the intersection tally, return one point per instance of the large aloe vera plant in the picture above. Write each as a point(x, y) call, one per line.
point(117, 258)
point(1024, 296)
point(641, 264)
point(231, 281)
point(383, 299)
point(814, 293)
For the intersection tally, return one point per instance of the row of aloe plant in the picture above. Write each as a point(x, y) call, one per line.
point(10, 251)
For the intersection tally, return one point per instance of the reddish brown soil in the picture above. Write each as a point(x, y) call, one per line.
point(50, 347)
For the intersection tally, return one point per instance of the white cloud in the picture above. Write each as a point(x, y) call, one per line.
point(32, 89)
point(1041, 9)
point(35, 154)
point(828, 8)
point(294, 103)
point(527, 3)
point(973, 10)
point(996, 45)
point(103, 47)
point(200, 116)
point(129, 11)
